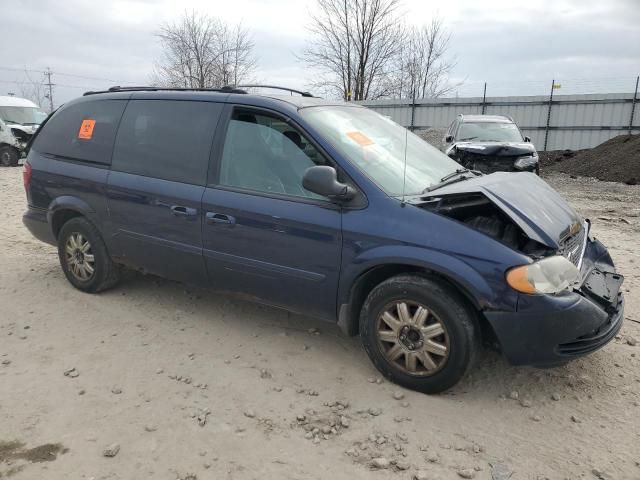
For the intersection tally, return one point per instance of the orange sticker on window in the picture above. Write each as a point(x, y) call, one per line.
point(86, 129)
point(360, 138)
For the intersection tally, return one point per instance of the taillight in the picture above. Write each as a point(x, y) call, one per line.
point(27, 172)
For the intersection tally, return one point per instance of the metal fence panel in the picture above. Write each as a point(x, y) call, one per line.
point(576, 121)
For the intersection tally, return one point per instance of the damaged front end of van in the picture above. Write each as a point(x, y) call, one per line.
point(570, 300)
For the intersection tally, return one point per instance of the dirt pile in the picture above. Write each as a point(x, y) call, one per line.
point(433, 135)
point(616, 160)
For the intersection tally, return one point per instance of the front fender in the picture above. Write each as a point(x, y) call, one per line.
point(481, 280)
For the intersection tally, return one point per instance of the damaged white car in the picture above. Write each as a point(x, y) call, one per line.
point(19, 120)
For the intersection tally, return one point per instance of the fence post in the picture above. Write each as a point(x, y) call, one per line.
point(546, 129)
point(484, 98)
point(633, 105)
point(413, 113)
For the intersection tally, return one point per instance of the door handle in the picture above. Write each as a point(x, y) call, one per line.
point(213, 217)
point(180, 211)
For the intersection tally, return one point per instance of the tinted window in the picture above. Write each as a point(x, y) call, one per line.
point(266, 154)
point(166, 139)
point(82, 131)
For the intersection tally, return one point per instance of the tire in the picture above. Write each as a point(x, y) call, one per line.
point(88, 268)
point(538, 170)
point(449, 328)
point(9, 156)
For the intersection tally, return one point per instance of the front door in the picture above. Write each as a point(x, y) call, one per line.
point(264, 235)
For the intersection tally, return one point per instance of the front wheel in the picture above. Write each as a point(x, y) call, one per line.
point(9, 156)
point(84, 257)
point(418, 333)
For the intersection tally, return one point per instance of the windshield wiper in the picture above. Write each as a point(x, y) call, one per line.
point(468, 138)
point(453, 177)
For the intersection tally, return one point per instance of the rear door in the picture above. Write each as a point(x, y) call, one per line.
point(155, 187)
point(264, 235)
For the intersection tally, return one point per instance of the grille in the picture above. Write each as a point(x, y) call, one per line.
point(488, 163)
point(572, 247)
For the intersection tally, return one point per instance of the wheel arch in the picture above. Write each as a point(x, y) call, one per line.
point(62, 209)
point(6, 144)
point(465, 281)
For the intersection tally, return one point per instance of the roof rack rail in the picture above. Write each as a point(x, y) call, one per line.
point(225, 89)
point(276, 87)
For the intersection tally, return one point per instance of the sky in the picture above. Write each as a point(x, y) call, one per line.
point(516, 46)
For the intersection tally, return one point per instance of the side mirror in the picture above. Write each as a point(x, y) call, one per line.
point(448, 138)
point(323, 180)
point(527, 139)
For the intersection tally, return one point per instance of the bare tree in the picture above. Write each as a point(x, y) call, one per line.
point(200, 51)
point(354, 44)
point(423, 67)
point(34, 90)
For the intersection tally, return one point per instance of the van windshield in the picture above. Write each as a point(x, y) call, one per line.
point(22, 115)
point(376, 145)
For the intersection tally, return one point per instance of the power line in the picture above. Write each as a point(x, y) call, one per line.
point(63, 74)
point(16, 82)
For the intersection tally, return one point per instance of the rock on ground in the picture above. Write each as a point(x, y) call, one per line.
point(111, 451)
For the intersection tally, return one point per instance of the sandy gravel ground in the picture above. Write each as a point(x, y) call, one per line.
point(191, 384)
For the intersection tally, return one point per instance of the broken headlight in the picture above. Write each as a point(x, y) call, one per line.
point(526, 163)
point(549, 275)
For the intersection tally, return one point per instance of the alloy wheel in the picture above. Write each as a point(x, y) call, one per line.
point(79, 256)
point(413, 338)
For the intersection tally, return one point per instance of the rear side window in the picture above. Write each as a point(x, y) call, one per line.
point(168, 139)
point(83, 131)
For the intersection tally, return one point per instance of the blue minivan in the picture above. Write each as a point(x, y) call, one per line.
point(327, 209)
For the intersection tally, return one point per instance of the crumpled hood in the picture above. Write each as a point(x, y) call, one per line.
point(500, 149)
point(540, 211)
point(28, 129)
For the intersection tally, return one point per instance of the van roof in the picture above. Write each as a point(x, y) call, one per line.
point(293, 101)
point(10, 101)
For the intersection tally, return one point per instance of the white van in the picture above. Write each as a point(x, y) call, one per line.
point(19, 120)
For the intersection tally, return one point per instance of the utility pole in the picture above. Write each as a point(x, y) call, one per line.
point(50, 85)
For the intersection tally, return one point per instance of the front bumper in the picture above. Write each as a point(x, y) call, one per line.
point(496, 163)
point(551, 329)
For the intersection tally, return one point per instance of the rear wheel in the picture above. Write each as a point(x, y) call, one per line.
point(84, 257)
point(9, 156)
point(418, 333)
